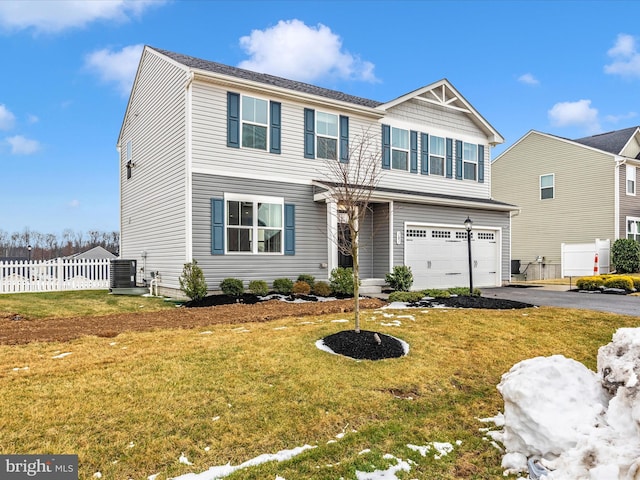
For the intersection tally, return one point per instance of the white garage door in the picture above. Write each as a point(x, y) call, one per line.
point(438, 257)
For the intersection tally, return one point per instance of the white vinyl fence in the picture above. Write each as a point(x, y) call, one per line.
point(54, 275)
point(579, 259)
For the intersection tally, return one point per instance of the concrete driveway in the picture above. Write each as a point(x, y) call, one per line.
point(559, 296)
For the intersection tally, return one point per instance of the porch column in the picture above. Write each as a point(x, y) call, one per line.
point(332, 235)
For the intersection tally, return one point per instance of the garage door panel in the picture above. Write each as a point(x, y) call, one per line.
point(438, 257)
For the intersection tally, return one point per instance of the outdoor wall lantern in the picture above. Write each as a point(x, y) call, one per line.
point(29, 250)
point(468, 224)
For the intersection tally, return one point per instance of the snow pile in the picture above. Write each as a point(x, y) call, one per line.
point(564, 422)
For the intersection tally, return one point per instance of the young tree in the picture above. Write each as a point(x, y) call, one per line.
point(352, 182)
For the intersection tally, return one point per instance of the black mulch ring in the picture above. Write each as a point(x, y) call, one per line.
point(364, 345)
point(472, 302)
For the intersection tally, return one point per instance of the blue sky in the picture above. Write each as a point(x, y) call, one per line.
point(567, 68)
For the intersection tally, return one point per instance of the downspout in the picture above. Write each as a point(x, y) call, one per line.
point(188, 171)
point(616, 196)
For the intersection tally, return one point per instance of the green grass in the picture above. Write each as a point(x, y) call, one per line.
point(129, 406)
point(77, 304)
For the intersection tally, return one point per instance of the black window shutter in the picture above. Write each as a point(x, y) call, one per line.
point(424, 141)
point(459, 159)
point(413, 140)
point(386, 147)
point(217, 226)
point(344, 139)
point(289, 229)
point(481, 163)
point(449, 166)
point(233, 120)
point(275, 127)
point(309, 133)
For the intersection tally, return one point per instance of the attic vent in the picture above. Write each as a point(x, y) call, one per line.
point(122, 274)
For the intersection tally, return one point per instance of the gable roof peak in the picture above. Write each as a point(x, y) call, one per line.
point(610, 142)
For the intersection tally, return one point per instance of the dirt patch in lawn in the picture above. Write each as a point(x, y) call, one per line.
point(15, 329)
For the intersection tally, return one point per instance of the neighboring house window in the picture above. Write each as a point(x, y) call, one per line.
point(631, 180)
point(469, 161)
point(436, 155)
point(547, 186)
point(255, 120)
point(399, 149)
point(633, 228)
point(327, 131)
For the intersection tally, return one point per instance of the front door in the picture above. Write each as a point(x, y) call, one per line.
point(345, 259)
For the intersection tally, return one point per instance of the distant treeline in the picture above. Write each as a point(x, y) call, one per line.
point(45, 246)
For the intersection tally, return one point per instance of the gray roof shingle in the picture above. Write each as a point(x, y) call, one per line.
point(611, 142)
point(198, 63)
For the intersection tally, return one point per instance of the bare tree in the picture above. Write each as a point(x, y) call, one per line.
point(352, 182)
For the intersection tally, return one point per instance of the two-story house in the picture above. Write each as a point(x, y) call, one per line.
point(229, 167)
point(569, 191)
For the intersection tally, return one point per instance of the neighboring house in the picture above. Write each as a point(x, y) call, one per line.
point(229, 167)
point(569, 191)
point(95, 253)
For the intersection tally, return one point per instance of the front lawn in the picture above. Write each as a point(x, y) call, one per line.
point(133, 405)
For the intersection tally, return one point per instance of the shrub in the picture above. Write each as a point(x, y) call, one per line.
point(258, 287)
point(400, 279)
point(636, 282)
point(232, 286)
point(192, 282)
point(305, 277)
point(436, 293)
point(405, 296)
point(283, 285)
point(464, 291)
point(322, 289)
point(621, 281)
point(301, 288)
point(625, 255)
point(590, 283)
point(341, 281)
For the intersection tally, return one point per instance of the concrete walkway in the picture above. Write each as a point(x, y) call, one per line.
point(559, 296)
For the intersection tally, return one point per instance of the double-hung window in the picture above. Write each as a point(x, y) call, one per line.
point(633, 228)
point(255, 122)
point(436, 155)
point(254, 224)
point(327, 132)
point(547, 186)
point(631, 180)
point(399, 149)
point(469, 161)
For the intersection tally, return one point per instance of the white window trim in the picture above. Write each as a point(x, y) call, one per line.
point(631, 219)
point(473, 161)
point(392, 148)
point(443, 156)
point(254, 199)
point(632, 169)
point(318, 135)
point(266, 125)
point(553, 186)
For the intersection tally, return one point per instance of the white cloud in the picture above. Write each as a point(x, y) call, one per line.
point(23, 146)
point(626, 58)
point(32, 118)
point(116, 67)
point(618, 118)
point(74, 203)
point(294, 50)
point(528, 79)
point(7, 119)
point(52, 16)
point(580, 113)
